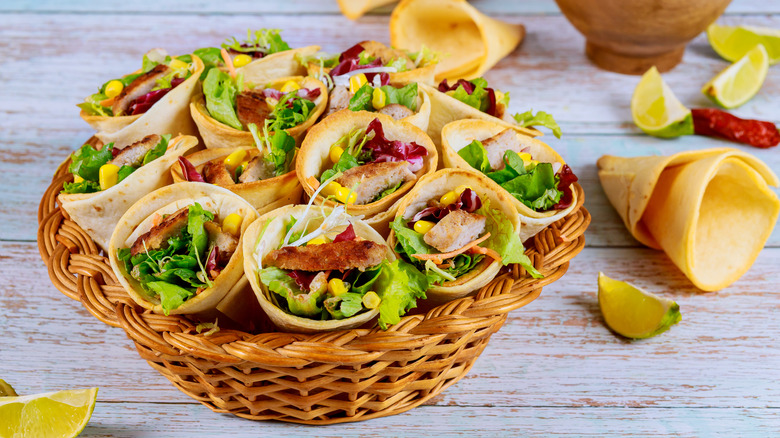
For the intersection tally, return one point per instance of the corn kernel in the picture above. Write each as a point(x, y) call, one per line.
point(335, 154)
point(448, 198)
point(241, 60)
point(371, 300)
point(357, 81)
point(77, 179)
point(344, 196)
point(108, 175)
point(113, 88)
point(526, 157)
point(290, 86)
point(318, 241)
point(331, 189)
point(423, 227)
point(232, 223)
point(336, 287)
point(462, 188)
point(178, 64)
point(378, 99)
point(235, 158)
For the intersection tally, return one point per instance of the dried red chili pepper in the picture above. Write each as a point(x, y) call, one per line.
point(716, 123)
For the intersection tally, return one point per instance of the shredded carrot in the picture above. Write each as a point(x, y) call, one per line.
point(439, 258)
point(157, 219)
point(108, 102)
point(228, 63)
point(313, 182)
point(490, 252)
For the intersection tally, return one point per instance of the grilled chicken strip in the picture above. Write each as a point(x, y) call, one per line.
point(158, 236)
point(257, 169)
point(374, 178)
point(225, 242)
point(133, 155)
point(215, 172)
point(455, 230)
point(140, 86)
point(396, 111)
point(338, 100)
point(340, 256)
point(251, 107)
point(498, 144)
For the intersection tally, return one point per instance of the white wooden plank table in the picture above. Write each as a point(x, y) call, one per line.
point(553, 369)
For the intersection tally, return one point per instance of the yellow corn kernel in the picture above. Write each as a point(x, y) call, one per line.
point(331, 189)
point(357, 81)
point(378, 99)
point(178, 64)
point(462, 188)
point(290, 86)
point(113, 88)
point(232, 224)
point(235, 158)
point(344, 196)
point(423, 227)
point(371, 300)
point(318, 241)
point(77, 179)
point(526, 157)
point(335, 153)
point(336, 287)
point(108, 175)
point(241, 60)
point(448, 198)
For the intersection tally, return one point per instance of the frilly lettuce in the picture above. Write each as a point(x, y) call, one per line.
point(540, 119)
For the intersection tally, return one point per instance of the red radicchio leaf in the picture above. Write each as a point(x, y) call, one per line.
point(468, 201)
point(255, 54)
point(348, 234)
point(115, 152)
point(492, 107)
point(349, 60)
point(143, 103)
point(302, 278)
point(467, 86)
point(567, 178)
point(303, 93)
point(393, 150)
point(212, 263)
point(189, 172)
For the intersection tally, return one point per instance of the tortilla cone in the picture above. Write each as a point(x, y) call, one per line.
point(711, 210)
point(168, 116)
point(272, 238)
point(354, 9)
point(314, 158)
point(264, 195)
point(470, 42)
point(169, 199)
point(435, 185)
point(277, 65)
point(216, 134)
point(459, 134)
point(97, 213)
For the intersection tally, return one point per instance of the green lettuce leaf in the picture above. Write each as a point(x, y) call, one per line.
point(406, 95)
point(282, 151)
point(408, 241)
point(540, 119)
point(504, 240)
point(211, 57)
point(171, 295)
point(298, 302)
point(476, 155)
point(361, 101)
point(290, 112)
point(157, 151)
point(537, 189)
point(123, 173)
point(398, 63)
point(267, 41)
point(220, 92)
point(85, 186)
point(477, 99)
point(424, 57)
point(197, 216)
point(93, 108)
point(399, 286)
point(346, 161)
point(344, 306)
point(86, 161)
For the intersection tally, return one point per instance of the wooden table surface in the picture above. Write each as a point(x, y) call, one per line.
point(553, 369)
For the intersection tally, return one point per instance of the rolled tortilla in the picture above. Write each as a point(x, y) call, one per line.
point(354, 9)
point(710, 210)
point(168, 116)
point(216, 134)
point(459, 134)
point(97, 213)
point(277, 65)
point(264, 195)
point(140, 218)
point(471, 42)
point(314, 158)
point(266, 235)
point(435, 185)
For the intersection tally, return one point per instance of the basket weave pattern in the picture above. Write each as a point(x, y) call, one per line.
point(334, 377)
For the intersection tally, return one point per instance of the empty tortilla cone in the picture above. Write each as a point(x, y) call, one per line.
point(167, 116)
point(277, 65)
point(264, 195)
point(470, 42)
point(267, 234)
point(459, 134)
point(97, 213)
point(140, 218)
point(216, 134)
point(711, 210)
point(354, 9)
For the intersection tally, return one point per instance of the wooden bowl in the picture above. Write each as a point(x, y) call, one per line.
point(630, 36)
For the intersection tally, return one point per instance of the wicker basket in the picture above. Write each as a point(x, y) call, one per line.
point(335, 377)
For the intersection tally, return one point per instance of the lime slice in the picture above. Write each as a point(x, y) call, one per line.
point(54, 414)
point(656, 110)
point(6, 390)
point(634, 313)
point(733, 42)
point(739, 82)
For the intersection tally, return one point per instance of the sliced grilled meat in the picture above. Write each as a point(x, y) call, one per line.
point(338, 99)
point(374, 178)
point(498, 144)
point(158, 236)
point(225, 242)
point(455, 230)
point(396, 111)
point(340, 256)
point(140, 86)
point(133, 155)
point(257, 169)
point(251, 107)
point(215, 172)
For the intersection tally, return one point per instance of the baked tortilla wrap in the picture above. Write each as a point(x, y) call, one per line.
point(459, 134)
point(471, 42)
point(216, 134)
point(277, 65)
point(354, 9)
point(268, 234)
point(499, 231)
point(710, 210)
point(97, 213)
point(314, 158)
point(164, 204)
point(169, 115)
point(264, 195)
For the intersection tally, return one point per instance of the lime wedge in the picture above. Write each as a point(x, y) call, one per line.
point(739, 82)
point(54, 414)
point(634, 313)
point(733, 42)
point(656, 110)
